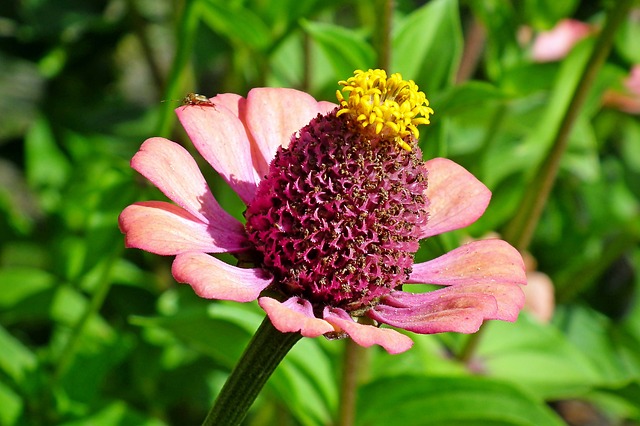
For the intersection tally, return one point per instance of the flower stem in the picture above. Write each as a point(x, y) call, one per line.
point(261, 357)
point(385, 20)
point(520, 230)
point(352, 361)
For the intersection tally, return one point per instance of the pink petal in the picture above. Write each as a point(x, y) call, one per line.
point(556, 43)
point(273, 116)
point(293, 315)
point(368, 335)
point(231, 101)
point(483, 260)
point(166, 229)
point(462, 313)
point(172, 170)
point(540, 296)
point(213, 279)
point(456, 197)
point(222, 140)
point(509, 298)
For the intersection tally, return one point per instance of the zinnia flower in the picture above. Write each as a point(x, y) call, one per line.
point(337, 198)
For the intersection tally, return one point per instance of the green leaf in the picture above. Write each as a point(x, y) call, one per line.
point(304, 382)
point(345, 49)
point(221, 330)
point(47, 167)
point(11, 404)
point(236, 23)
point(626, 41)
point(546, 13)
point(16, 360)
point(20, 284)
point(427, 45)
point(537, 357)
point(534, 122)
point(449, 401)
point(597, 337)
point(116, 413)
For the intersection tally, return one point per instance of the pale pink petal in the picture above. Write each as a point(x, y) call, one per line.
point(171, 169)
point(555, 44)
point(368, 335)
point(632, 82)
point(293, 315)
point(273, 116)
point(222, 140)
point(462, 313)
point(231, 101)
point(483, 260)
point(456, 197)
point(166, 229)
point(509, 298)
point(211, 278)
point(540, 296)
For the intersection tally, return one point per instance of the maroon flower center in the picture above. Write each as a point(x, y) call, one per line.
point(336, 219)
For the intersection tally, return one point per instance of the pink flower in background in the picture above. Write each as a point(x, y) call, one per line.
point(628, 99)
point(555, 44)
point(337, 201)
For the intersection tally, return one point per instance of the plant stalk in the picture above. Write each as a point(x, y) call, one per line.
point(519, 231)
point(261, 357)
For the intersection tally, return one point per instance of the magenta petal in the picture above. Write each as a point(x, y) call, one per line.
point(293, 315)
point(172, 170)
point(462, 313)
point(456, 197)
point(509, 297)
point(213, 279)
point(483, 260)
point(166, 229)
point(368, 335)
point(273, 116)
point(222, 140)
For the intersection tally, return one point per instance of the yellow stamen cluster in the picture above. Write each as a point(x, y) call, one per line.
point(390, 107)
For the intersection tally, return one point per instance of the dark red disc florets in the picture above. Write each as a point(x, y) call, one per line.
point(336, 219)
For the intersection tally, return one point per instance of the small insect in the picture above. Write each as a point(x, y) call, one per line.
point(196, 99)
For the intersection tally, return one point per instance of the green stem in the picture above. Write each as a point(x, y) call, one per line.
point(97, 299)
point(470, 346)
point(354, 357)
point(261, 357)
point(520, 230)
point(384, 34)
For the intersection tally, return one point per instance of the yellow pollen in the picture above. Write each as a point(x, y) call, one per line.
point(390, 108)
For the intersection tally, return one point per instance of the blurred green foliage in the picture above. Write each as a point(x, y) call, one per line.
point(92, 334)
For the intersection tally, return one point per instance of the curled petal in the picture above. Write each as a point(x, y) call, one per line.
point(222, 140)
point(213, 279)
point(166, 229)
point(274, 115)
point(509, 298)
point(456, 197)
point(483, 260)
point(172, 170)
point(293, 315)
point(463, 313)
point(368, 335)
